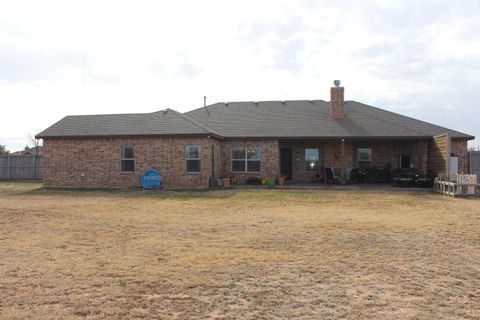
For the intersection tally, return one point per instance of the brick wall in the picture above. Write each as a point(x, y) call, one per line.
point(441, 148)
point(339, 155)
point(95, 162)
point(337, 102)
point(269, 162)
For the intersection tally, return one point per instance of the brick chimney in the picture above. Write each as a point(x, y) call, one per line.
point(337, 101)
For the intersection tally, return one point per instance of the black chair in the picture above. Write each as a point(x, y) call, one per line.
point(406, 177)
point(424, 180)
point(378, 174)
point(330, 176)
point(354, 175)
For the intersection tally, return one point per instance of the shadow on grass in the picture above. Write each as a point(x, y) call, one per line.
point(36, 189)
point(185, 194)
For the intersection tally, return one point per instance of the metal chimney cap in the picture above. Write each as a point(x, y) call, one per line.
point(336, 83)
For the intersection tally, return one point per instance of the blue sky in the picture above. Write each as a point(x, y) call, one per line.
point(57, 58)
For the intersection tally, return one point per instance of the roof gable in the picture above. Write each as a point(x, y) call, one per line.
point(165, 122)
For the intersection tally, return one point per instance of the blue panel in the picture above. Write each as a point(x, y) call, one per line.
point(151, 179)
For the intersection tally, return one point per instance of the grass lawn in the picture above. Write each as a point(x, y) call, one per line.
point(237, 254)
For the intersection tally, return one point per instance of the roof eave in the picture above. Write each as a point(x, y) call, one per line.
point(41, 136)
point(339, 137)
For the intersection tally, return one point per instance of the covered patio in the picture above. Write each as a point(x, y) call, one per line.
point(309, 161)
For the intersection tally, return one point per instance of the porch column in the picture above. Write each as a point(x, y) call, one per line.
point(343, 162)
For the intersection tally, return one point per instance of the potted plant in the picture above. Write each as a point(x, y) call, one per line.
point(270, 183)
point(281, 180)
point(263, 181)
point(226, 182)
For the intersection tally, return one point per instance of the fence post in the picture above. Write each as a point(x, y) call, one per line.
point(34, 166)
point(9, 167)
point(470, 162)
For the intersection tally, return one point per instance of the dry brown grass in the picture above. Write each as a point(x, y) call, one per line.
point(237, 254)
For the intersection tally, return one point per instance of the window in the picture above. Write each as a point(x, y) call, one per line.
point(193, 158)
point(311, 159)
point(246, 159)
point(127, 159)
point(364, 158)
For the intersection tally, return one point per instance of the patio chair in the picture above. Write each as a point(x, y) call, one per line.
point(354, 175)
point(405, 177)
point(424, 180)
point(330, 176)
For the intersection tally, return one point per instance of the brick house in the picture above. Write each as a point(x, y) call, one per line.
point(295, 139)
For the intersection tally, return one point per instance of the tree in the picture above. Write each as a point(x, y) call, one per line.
point(3, 150)
point(34, 141)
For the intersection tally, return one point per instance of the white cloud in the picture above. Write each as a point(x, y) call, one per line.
point(59, 58)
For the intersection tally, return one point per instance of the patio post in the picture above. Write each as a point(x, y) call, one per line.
point(344, 159)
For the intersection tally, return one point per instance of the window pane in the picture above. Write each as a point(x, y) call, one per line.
point(253, 166)
point(253, 153)
point(192, 152)
point(238, 166)
point(127, 152)
point(193, 165)
point(364, 154)
point(128, 165)
point(238, 153)
point(311, 154)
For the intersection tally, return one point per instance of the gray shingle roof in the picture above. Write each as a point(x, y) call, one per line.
point(311, 119)
point(265, 119)
point(165, 122)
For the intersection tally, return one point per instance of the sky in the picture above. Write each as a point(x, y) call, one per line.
point(58, 58)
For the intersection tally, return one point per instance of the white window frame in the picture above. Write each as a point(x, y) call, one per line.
point(317, 164)
point(197, 159)
point(122, 158)
point(246, 160)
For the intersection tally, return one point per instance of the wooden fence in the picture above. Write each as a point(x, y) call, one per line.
point(456, 185)
point(20, 167)
point(474, 163)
